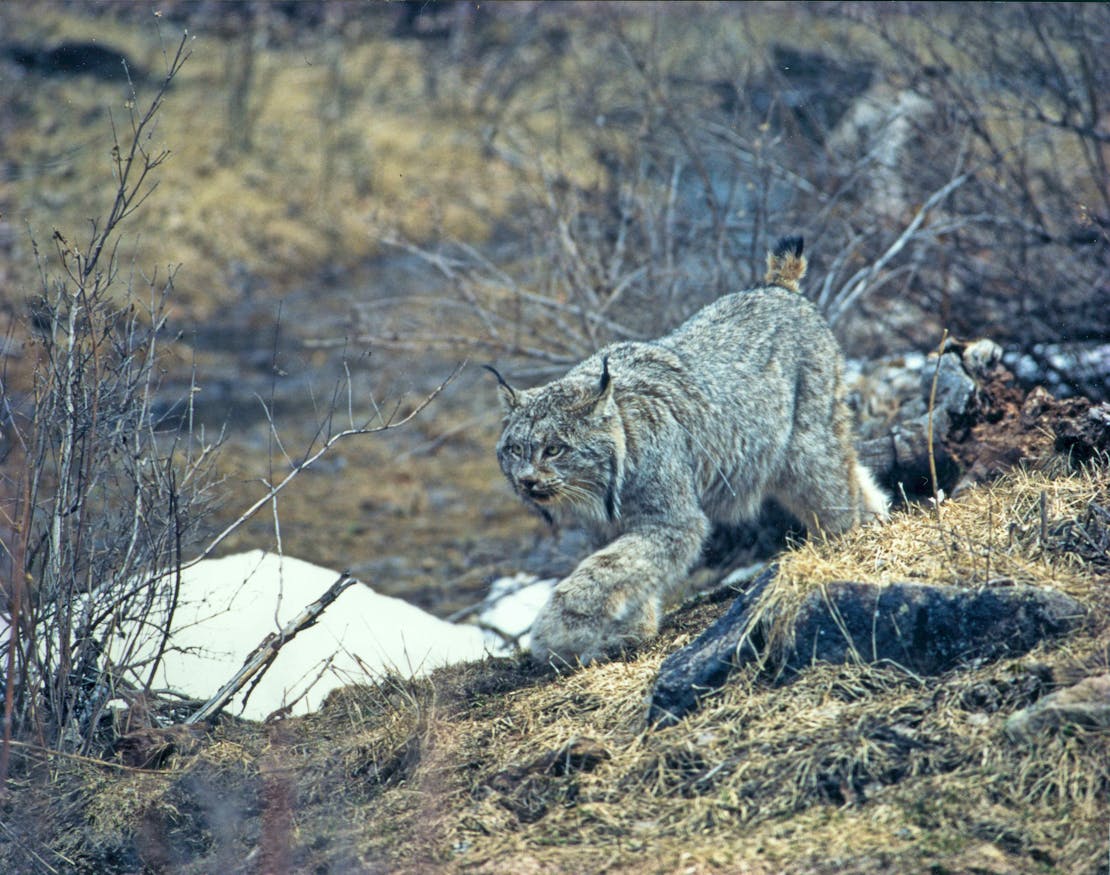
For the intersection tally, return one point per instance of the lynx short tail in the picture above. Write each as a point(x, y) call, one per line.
point(786, 264)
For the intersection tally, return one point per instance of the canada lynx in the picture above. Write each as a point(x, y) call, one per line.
point(648, 444)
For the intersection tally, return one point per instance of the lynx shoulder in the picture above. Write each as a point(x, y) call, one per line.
point(649, 444)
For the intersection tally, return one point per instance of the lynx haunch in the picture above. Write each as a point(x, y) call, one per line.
point(648, 444)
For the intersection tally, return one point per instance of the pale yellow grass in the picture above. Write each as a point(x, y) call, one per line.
point(995, 533)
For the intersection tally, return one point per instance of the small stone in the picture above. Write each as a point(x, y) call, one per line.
point(1085, 705)
point(982, 356)
point(955, 389)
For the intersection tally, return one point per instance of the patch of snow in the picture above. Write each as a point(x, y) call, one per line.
point(228, 606)
point(743, 575)
point(1089, 363)
point(512, 605)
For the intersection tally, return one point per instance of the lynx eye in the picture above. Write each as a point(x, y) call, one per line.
point(553, 450)
point(515, 450)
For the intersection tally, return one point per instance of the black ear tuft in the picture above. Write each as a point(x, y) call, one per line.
point(508, 390)
point(603, 384)
point(789, 246)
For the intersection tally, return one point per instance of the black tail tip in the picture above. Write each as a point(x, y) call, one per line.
point(789, 246)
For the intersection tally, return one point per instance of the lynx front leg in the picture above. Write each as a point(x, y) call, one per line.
point(612, 600)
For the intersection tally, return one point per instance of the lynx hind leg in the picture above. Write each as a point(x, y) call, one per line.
point(829, 490)
point(825, 486)
point(821, 491)
point(874, 504)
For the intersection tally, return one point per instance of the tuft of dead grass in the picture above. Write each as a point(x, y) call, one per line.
point(1020, 529)
point(1008, 531)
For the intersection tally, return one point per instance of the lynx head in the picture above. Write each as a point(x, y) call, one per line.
point(562, 447)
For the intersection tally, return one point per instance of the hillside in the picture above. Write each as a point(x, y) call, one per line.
point(501, 767)
point(352, 208)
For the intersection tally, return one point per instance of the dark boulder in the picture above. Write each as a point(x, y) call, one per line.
point(923, 628)
point(926, 628)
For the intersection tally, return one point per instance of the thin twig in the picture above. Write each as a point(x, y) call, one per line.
point(929, 429)
point(861, 280)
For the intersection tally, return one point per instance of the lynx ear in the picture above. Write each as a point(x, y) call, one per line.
point(601, 402)
point(509, 399)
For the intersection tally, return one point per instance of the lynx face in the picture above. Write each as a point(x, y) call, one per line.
point(559, 451)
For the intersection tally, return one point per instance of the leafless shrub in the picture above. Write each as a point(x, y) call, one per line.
point(1024, 88)
point(689, 177)
point(102, 488)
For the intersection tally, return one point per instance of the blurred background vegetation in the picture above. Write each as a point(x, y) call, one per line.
point(383, 189)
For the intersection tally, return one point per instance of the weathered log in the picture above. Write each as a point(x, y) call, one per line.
point(926, 629)
point(705, 664)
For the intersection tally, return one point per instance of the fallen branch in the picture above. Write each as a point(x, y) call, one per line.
point(262, 657)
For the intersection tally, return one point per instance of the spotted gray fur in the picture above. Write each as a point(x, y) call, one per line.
point(648, 444)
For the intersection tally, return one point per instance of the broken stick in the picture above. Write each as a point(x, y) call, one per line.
point(262, 657)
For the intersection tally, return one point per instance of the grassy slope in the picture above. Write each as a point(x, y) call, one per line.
point(498, 767)
point(345, 138)
point(399, 161)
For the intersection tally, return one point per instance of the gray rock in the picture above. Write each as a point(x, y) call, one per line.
point(897, 452)
point(982, 356)
point(927, 629)
point(955, 391)
point(1086, 705)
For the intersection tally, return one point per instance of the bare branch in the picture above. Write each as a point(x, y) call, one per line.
point(387, 424)
point(262, 657)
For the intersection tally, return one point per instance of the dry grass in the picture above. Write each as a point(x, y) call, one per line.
point(338, 154)
point(499, 767)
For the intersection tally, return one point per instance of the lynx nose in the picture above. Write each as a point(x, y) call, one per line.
point(529, 483)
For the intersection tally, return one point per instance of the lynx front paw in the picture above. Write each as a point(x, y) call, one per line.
point(574, 629)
